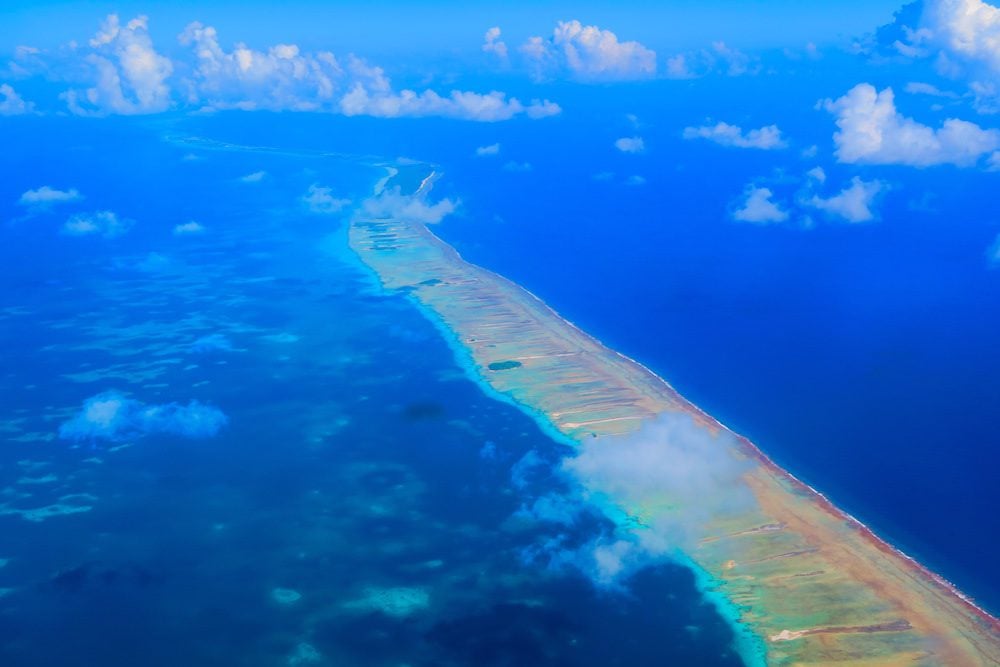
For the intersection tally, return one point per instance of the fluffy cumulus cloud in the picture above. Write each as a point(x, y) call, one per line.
point(372, 94)
point(320, 199)
point(493, 106)
point(254, 177)
point(659, 487)
point(120, 72)
point(493, 44)
point(129, 76)
point(719, 59)
point(12, 104)
point(853, 203)
point(630, 145)
point(678, 67)
point(758, 206)
point(391, 203)
point(46, 196)
point(816, 174)
point(97, 223)
point(921, 88)
point(589, 53)
point(487, 151)
point(281, 77)
point(872, 131)
point(967, 28)
point(190, 228)
point(111, 416)
point(735, 61)
point(962, 37)
point(550, 508)
point(724, 134)
point(284, 78)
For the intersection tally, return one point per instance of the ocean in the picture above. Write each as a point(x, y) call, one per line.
point(278, 463)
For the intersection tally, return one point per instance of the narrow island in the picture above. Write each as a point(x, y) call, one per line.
point(803, 582)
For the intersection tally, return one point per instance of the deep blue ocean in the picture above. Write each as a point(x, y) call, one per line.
point(356, 508)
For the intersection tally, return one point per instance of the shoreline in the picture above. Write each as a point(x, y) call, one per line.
point(764, 459)
point(756, 451)
point(842, 591)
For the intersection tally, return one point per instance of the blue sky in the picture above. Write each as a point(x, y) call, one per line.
point(450, 25)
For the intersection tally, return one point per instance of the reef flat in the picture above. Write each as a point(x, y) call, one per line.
point(805, 583)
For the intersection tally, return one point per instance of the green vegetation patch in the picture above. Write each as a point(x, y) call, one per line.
point(503, 365)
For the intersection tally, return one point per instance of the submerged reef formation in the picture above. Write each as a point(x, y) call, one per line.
point(803, 582)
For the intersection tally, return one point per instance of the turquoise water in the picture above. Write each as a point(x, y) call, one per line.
point(358, 502)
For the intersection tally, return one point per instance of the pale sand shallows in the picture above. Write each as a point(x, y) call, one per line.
point(806, 582)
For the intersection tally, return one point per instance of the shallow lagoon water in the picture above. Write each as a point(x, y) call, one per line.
point(358, 508)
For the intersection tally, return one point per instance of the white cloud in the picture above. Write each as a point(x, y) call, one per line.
point(921, 88)
point(98, 223)
point(551, 508)
point(721, 59)
point(280, 78)
point(128, 75)
point(908, 50)
point(677, 67)
point(111, 416)
point(872, 131)
point(12, 104)
point(190, 228)
point(255, 177)
point(635, 180)
point(590, 54)
point(759, 207)
point(963, 38)
point(390, 203)
point(985, 96)
point(539, 54)
point(817, 174)
point(853, 203)
point(27, 61)
point(724, 134)
point(542, 109)
point(630, 145)
point(737, 62)
point(968, 28)
point(993, 164)
point(494, 106)
point(493, 44)
point(669, 478)
point(47, 196)
point(528, 469)
point(372, 95)
point(484, 151)
point(319, 199)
